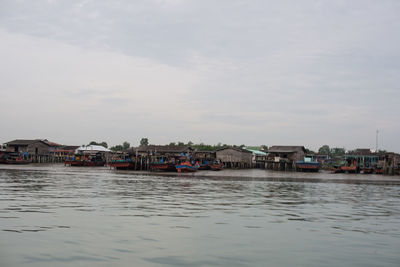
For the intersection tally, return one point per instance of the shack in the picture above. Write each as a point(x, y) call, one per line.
point(144, 156)
point(205, 157)
point(95, 151)
point(39, 150)
point(259, 158)
point(283, 158)
point(63, 153)
point(234, 157)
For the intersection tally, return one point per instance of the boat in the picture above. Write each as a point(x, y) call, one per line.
point(378, 170)
point(122, 164)
point(205, 166)
point(17, 158)
point(3, 157)
point(367, 170)
point(217, 166)
point(164, 167)
point(85, 161)
point(308, 165)
point(186, 167)
point(347, 166)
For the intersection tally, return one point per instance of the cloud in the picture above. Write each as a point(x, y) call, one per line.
point(254, 72)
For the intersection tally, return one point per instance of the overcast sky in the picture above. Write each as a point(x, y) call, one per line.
point(307, 72)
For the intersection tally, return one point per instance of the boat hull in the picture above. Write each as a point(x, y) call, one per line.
point(217, 167)
point(185, 167)
point(122, 165)
point(82, 163)
point(163, 167)
point(308, 166)
point(21, 162)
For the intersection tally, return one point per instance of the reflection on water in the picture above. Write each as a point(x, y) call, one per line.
point(55, 215)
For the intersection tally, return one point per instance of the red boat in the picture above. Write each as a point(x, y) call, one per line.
point(164, 167)
point(348, 167)
point(308, 166)
point(16, 158)
point(217, 167)
point(186, 167)
point(367, 170)
point(122, 164)
point(84, 163)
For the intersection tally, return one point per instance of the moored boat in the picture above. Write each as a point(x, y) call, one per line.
point(217, 166)
point(122, 164)
point(86, 161)
point(186, 167)
point(347, 166)
point(17, 158)
point(165, 167)
point(307, 165)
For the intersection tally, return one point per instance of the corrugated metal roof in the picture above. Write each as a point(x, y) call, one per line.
point(92, 148)
point(23, 142)
point(257, 152)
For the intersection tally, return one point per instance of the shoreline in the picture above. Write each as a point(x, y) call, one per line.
point(228, 174)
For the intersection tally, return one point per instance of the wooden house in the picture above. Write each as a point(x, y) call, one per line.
point(284, 157)
point(39, 150)
point(205, 156)
point(144, 156)
point(259, 158)
point(234, 157)
point(156, 150)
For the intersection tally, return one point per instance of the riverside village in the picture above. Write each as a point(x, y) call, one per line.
point(189, 157)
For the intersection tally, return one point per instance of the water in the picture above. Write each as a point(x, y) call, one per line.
point(65, 216)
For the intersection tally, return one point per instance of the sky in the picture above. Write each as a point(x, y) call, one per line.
point(258, 72)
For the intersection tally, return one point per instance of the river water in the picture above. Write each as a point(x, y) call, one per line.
point(65, 216)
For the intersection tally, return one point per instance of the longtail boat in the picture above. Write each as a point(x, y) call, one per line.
point(16, 158)
point(346, 167)
point(164, 167)
point(186, 167)
point(122, 164)
point(217, 167)
point(84, 163)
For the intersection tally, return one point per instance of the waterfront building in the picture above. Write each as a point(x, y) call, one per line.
point(234, 157)
point(259, 158)
point(283, 158)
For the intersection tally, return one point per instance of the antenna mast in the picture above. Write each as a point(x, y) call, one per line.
point(376, 147)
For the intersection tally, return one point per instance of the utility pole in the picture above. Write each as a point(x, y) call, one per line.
point(376, 147)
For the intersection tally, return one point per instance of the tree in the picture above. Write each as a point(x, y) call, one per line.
point(94, 143)
point(117, 148)
point(190, 143)
point(337, 151)
point(324, 150)
point(181, 143)
point(126, 145)
point(144, 142)
point(104, 144)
